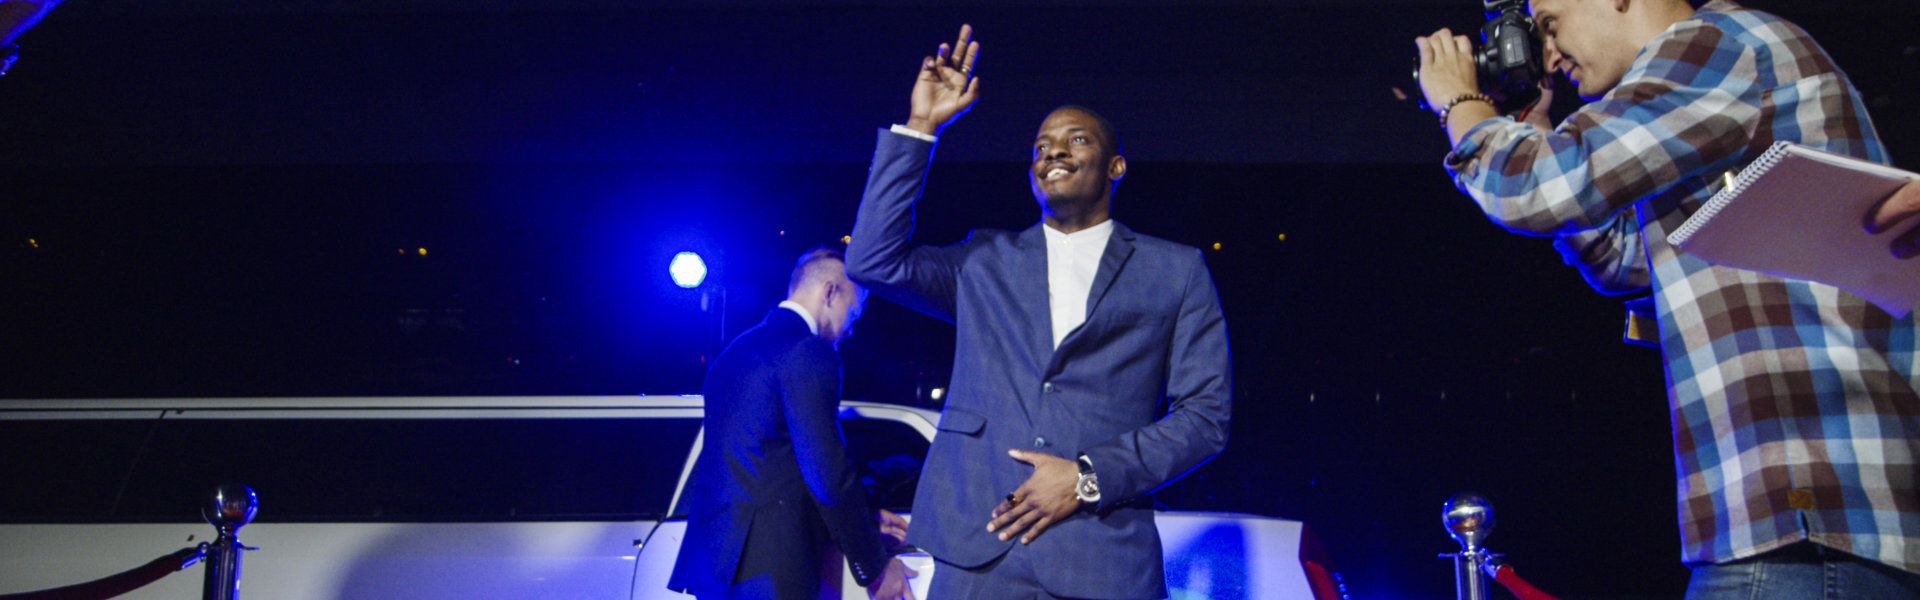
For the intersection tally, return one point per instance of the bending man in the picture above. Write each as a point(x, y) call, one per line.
point(773, 486)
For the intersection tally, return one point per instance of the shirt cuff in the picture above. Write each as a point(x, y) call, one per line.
point(1458, 158)
point(1473, 142)
point(866, 573)
point(904, 130)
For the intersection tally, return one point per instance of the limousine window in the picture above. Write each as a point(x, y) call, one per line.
point(65, 471)
point(888, 455)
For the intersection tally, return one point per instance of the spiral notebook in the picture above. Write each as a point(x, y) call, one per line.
point(1800, 212)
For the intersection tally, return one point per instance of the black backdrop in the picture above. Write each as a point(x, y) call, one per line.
point(224, 199)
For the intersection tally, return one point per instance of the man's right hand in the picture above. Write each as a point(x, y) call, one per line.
point(1904, 204)
point(946, 87)
point(893, 529)
point(1536, 113)
point(893, 582)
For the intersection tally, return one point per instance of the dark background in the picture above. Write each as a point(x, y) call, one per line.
point(232, 198)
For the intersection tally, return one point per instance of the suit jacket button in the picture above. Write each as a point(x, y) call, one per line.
point(1047, 387)
point(1039, 442)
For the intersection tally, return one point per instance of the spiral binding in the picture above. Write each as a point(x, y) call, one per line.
point(1725, 196)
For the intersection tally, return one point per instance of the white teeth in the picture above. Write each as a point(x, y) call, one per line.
point(1056, 173)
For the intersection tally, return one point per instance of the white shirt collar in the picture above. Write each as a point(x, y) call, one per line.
point(804, 315)
point(1096, 233)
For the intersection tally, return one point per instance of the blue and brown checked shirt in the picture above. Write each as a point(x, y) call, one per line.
point(1793, 403)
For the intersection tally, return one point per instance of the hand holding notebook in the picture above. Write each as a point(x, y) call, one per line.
point(1800, 212)
point(1895, 212)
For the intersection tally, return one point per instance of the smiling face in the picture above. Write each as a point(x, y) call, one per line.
point(1584, 40)
point(1074, 164)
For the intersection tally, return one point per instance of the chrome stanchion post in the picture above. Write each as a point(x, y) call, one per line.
point(231, 507)
point(1469, 519)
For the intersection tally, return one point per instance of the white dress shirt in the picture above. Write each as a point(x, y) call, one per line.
point(1072, 260)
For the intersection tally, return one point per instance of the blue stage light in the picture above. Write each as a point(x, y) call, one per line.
point(687, 269)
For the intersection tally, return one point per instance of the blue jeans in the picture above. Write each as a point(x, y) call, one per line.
point(1802, 571)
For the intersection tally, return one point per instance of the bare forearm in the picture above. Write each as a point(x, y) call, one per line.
point(1465, 116)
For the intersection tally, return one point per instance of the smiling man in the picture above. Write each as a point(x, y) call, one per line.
point(1796, 420)
point(1071, 334)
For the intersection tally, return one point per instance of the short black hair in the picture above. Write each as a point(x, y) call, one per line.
point(1107, 131)
point(812, 266)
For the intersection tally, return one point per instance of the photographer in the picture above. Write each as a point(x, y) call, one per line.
point(1796, 419)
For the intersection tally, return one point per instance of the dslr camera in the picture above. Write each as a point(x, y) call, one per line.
point(1508, 60)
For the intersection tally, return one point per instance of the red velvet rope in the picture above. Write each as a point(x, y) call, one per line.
point(1318, 565)
point(1520, 588)
point(113, 585)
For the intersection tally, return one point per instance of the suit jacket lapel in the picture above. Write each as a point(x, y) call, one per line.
point(1030, 297)
point(1119, 249)
point(1112, 260)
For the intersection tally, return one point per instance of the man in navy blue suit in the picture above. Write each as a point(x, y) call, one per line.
point(1069, 337)
point(773, 485)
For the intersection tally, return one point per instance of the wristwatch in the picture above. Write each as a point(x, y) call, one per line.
point(1088, 488)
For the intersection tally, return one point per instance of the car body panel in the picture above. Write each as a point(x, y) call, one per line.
point(340, 561)
point(1209, 555)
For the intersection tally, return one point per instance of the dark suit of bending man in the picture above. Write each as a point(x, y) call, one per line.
point(773, 484)
point(1065, 348)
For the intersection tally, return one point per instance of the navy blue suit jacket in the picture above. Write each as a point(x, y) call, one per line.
point(1154, 336)
point(773, 483)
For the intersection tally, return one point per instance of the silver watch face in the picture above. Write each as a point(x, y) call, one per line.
point(1088, 489)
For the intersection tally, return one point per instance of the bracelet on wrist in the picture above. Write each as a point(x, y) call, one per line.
point(1448, 110)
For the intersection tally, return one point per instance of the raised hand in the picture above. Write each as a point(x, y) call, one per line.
point(946, 87)
point(1536, 113)
point(1446, 67)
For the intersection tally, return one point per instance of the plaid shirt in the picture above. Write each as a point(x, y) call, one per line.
point(1793, 403)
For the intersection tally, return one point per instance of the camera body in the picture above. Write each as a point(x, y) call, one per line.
point(1509, 61)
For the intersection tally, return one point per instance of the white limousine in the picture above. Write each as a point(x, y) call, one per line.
point(460, 498)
